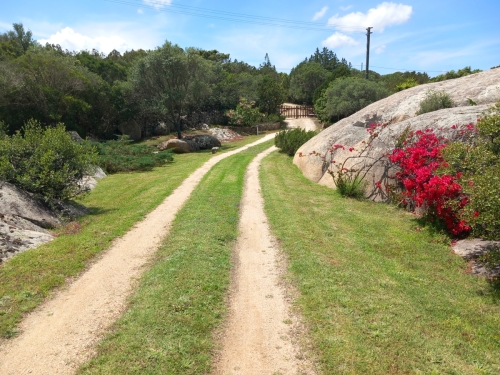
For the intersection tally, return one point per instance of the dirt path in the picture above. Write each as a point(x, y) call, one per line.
point(304, 123)
point(62, 333)
point(260, 335)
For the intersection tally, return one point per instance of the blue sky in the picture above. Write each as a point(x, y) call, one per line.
point(425, 35)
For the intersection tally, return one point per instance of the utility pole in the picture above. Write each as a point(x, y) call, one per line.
point(368, 32)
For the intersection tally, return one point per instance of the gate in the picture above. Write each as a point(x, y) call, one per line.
point(297, 111)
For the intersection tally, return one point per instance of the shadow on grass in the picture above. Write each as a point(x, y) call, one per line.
point(96, 211)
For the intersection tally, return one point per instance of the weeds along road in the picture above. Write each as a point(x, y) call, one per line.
point(61, 334)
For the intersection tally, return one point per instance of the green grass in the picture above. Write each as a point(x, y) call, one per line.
point(117, 203)
point(379, 295)
point(180, 300)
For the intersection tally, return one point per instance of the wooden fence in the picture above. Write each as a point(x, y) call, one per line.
point(297, 111)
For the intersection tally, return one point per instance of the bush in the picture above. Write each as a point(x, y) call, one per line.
point(125, 156)
point(273, 117)
point(290, 140)
point(245, 114)
point(46, 162)
point(435, 100)
point(478, 162)
point(409, 83)
point(440, 195)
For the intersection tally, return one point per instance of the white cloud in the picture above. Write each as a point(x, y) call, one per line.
point(385, 14)
point(380, 49)
point(347, 7)
point(339, 39)
point(158, 4)
point(67, 38)
point(6, 26)
point(140, 11)
point(320, 14)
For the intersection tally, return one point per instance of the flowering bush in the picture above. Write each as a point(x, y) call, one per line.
point(245, 114)
point(349, 175)
point(441, 196)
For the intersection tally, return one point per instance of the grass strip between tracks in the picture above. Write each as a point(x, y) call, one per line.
point(117, 203)
point(180, 300)
point(379, 294)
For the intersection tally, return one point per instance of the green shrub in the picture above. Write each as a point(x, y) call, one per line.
point(290, 140)
point(46, 162)
point(478, 161)
point(410, 82)
point(125, 156)
point(435, 100)
point(273, 117)
point(349, 184)
point(245, 114)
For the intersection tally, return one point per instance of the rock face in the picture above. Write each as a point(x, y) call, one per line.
point(16, 202)
point(177, 145)
point(204, 141)
point(24, 220)
point(399, 111)
point(225, 134)
point(132, 129)
point(18, 235)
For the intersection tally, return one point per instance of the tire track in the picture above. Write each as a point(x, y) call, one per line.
point(62, 333)
point(260, 334)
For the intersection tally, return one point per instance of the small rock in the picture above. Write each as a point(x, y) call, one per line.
point(471, 250)
point(176, 145)
point(215, 149)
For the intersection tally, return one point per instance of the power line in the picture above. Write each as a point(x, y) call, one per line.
point(239, 17)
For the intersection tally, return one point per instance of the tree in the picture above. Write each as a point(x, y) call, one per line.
point(170, 81)
point(347, 96)
point(304, 80)
point(52, 88)
point(267, 68)
point(340, 71)
point(271, 95)
point(16, 42)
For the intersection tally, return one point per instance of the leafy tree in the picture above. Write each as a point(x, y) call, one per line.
point(267, 68)
point(52, 88)
point(214, 55)
point(305, 79)
point(170, 81)
point(271, 94)
point(452, 74)
point(347, 96)
point(107, 67)
point(16, 42)
point(340, 71)
point(327, 59)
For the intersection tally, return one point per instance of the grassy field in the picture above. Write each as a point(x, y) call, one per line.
point(379, 294)
point(117, 203)
point(169, 325)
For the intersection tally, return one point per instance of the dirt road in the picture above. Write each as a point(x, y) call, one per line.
point(261, 333)
point(62, 333)
point(304, 123)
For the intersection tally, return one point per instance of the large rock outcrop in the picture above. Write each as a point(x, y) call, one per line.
point(399, 111)
point(204, 141)
point(24, 219)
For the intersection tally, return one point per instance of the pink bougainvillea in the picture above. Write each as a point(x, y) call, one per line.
point(441, 195)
